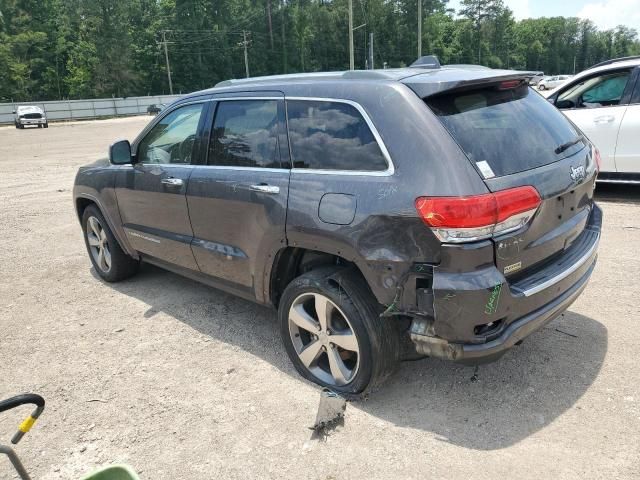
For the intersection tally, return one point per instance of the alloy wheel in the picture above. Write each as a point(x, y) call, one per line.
point(98, 244)
point(323, 339)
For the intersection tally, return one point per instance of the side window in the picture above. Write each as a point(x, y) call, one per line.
point(245, 134)
point(603, 90)
point(171, 140)
point(327, 135)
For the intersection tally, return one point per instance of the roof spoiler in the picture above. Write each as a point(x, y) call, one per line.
point(428, 61)
point(425, 86)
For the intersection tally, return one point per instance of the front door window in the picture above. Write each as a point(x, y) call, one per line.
point(171, 140)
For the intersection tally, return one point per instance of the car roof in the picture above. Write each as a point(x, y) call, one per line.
point(28, 107)
point(611, 65)
point(424, 81)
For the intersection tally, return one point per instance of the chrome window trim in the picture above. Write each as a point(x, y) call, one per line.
point(214, 167)
point(226, 99)
point(243, 169)
point(383, 148)
point(375, 173)
point(220, 167)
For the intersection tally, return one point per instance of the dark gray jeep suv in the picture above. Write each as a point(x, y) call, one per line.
point(385, 214)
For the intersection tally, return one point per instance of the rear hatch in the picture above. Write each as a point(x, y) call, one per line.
point(515, 138)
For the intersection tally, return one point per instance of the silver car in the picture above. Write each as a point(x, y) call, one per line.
point(30, 115)
point(549, 83)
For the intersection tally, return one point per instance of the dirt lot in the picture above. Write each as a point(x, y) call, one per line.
point(183, 381)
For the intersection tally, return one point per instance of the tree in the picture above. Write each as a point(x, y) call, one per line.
point(51, 49)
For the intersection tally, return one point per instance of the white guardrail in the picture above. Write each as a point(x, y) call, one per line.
point(86, 109)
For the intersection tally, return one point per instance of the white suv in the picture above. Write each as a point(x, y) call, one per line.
point(604, 102)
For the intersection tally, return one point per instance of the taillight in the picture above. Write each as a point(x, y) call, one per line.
point(509, 84)
point(465, 219)
point(597, 158)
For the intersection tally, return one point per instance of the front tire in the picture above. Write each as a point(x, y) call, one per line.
point(108, 259)
point(331, 328)
point(541, 87)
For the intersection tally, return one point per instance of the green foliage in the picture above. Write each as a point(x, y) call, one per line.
point(53, 49)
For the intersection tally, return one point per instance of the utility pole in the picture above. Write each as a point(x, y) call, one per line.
point(351, 60)
point(419, 28)
point(371, 51)
point(284, 45)
point(246, 57)
point(166, 57)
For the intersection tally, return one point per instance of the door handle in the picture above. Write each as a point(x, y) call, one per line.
point(265, 188)
point(604, 119)
point(173, 182)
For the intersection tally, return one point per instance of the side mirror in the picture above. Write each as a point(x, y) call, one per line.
point(120, 153)
point(564, 104)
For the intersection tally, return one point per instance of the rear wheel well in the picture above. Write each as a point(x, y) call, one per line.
point(291, 262)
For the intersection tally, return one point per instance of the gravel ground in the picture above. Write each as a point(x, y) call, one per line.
point(183, 381)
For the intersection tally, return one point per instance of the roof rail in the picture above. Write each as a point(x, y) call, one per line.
point(615, 60)
point(366, 74)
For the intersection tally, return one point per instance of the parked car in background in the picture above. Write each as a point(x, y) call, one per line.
point(440, 211)
point(604, 102)
point(549, 83)
point(154, 109)
point(535, 79)
point(29, 115)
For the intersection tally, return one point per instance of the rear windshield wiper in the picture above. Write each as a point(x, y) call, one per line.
point(566, 146)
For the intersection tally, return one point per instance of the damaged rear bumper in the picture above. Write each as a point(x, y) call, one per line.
point(470, 353)
point(478, 316)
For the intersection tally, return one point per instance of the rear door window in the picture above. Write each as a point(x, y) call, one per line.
point(510, 130)
point(245, 134)
point(328, 135)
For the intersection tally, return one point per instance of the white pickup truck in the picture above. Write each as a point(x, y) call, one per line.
point(30, 115)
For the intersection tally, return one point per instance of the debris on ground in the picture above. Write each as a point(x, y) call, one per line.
point(330, 414)
point(566, 333)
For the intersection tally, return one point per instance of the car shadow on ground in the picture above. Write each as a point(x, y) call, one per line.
point(490, 408)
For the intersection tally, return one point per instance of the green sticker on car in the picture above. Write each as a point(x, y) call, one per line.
point(494, 297)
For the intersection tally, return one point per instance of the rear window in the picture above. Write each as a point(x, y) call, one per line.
point(509, 131)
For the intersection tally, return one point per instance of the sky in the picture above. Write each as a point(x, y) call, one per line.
point(604, 13)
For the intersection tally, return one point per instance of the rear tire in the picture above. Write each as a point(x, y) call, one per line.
point(46, 125)
point(108, 259)
point(541, 87)
point(371, 344)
